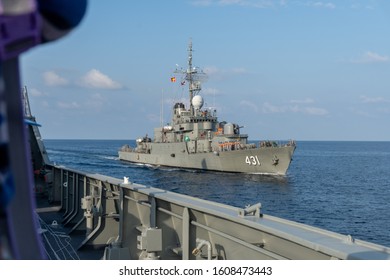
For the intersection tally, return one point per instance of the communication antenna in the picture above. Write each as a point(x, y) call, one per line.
point(194, 76)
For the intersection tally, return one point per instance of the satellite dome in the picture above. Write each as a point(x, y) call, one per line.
point(197, 101)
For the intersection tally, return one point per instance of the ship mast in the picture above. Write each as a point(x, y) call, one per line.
point(194, 76)
point(26, 103)
point(189, 77)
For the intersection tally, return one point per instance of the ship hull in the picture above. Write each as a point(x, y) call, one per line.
point(263, 160)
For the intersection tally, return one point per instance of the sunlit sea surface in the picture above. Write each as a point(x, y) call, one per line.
point(338, 186)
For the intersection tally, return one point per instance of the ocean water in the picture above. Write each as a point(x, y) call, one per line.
point(338, 186)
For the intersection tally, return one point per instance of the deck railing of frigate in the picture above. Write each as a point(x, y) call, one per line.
point(133, 221)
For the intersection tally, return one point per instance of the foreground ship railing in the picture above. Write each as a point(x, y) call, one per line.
point(114, 219)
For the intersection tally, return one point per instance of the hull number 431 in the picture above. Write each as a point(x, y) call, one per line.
point(252, 160)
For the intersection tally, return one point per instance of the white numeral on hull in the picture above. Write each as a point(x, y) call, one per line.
point(252, 160)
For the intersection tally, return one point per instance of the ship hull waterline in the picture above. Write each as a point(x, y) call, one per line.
point(264, 160)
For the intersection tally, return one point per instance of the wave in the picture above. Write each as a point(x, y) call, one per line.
point(109, 157)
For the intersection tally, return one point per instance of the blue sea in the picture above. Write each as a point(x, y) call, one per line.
point(338, 186)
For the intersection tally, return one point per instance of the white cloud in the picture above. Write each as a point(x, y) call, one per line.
point(369, 5)
point(36, 93)
point(371, 57)
point(268, 108)
point(318, 4)
point(374, 57)
point(250, 3)
point(211, 70)
point(96, 79)
point(315, 111)
point(53, 79)
point(68, 105)
point(367, 99)
point(250, 105)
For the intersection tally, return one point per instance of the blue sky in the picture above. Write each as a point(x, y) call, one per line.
point(303, 70)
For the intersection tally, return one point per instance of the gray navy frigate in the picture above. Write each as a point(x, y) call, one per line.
point(195, 139)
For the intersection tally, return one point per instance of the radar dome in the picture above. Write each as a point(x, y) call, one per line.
point(197, 101)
